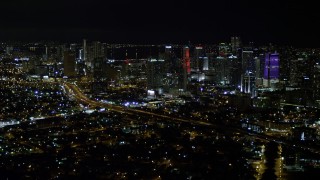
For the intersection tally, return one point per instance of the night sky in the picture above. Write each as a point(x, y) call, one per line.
point(166, 21)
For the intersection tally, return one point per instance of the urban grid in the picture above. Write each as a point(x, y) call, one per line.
point(159, 90)
point(129, 111)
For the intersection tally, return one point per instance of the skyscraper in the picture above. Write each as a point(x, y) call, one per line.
point(69, 63)
point(186, 59)
point(271, 69)
point(196, 64)
point(155, 74)
point(99, 75)
point(85, 51)
point(185, 68)
point(248, 72)
point(248, 62)
point(94, 50)
point(235, 44)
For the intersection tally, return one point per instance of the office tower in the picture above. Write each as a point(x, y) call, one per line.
point(196, 63)
point(316, 82)
point(73, 47)
point(211, 59)
point(168, 50)
point(257, 67)
point(168, 58)
point(169, 66)
point(234, 65)
point(296, 71)
point(248, 62)
point(271, 69)
point(99, 75)
point(85, 51)
point(80, 54)
point(223, 49)
point(173, 70)
point(235, 44)
point(155, 74)
point(94, 50)
point(69, 64)
point(186, 59)
point(223, 69)
point(60, 49)
point(248, 83)
point(46, 53)
point(98, 69)
point(97, 50)
point(258, 72)
point(186, 69)
point(248, 72)
point(205, 66)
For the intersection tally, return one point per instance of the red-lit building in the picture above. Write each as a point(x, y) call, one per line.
point(186, 59)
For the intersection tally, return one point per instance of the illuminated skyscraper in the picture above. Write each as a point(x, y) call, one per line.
point(186, 68)
point(205, 63)
point(271, 69)
point(248, 72)
point(186, 59)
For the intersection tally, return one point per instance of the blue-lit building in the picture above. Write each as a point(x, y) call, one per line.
point(271, 69)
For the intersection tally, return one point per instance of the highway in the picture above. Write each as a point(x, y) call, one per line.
point(79, 96)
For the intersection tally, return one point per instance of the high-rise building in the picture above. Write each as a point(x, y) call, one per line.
point(173, 70)
point(155, 74)
point(168, 57)
point(248, 83)
point(271, 69)
point(248, 62)
point(224, 49)
point(168, 50)
point(186, 59)
point(316, 82)
point(85, 51)
point(69, 64)
point(94, 50)
point(46, 53)
point(248, 71)
point(235, 44)
point(97, 50)
point(80, 55)
point(183, 80)
point(221, 70)
point(197, 64)
point(205, 64)
point(99, 75)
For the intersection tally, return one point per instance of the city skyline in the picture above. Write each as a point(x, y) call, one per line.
point(126, 21)
point(94, 110)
